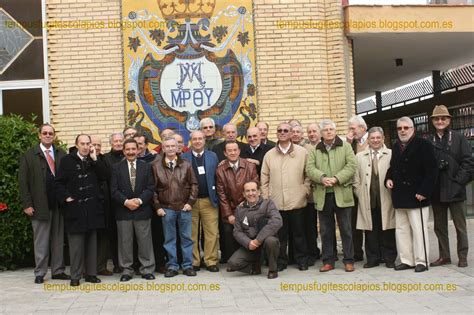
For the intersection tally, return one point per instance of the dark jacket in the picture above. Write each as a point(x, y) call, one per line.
point(210, 164)
point(148, 157)
point(455, 163)
point(174, 189)
point(80, 180)
point(258, 155)
point(218, 149)
point(121, 190)
point(32, 180)
point(248, 222)
point(230, 185)
point(413, 171)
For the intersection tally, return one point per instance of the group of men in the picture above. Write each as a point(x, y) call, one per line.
point(174, 207)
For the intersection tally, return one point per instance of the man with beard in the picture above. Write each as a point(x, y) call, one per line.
point(412, 178)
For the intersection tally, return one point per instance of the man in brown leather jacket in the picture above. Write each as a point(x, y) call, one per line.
point(176, 190)
point(231, 176)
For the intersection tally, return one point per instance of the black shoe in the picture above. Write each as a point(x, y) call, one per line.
point(390, 265)
point(272, 274)
point(161, 269)
point(212, 268)
point(197, 268)
point(303, 267)
point(281, 268)
point(93, 279)
point(403, 267)
point(39, 279)
point(117, 269)
point(61, 276)
point(171, 273)
point(255, 269)
point(189, 272)
point(371, 264)
point(125, 278)
point(420, 268)
point(148, 276)
point(74, 282)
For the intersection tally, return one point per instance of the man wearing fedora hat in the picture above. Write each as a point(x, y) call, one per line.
point(453, 155)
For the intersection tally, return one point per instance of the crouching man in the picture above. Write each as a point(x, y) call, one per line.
point(257, 222)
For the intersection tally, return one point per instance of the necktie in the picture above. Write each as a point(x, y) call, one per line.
point(133, 175)
point(171, 166)
point(198, 155)
point(50, 160)
point(375, 164)
point(235, 167)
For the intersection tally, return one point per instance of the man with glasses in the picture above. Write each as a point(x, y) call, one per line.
point(284, 181)
point(411, 177)
point(176, 191)
point(455, 163)
point(331, 167)
point(36, 179)
point(208, 127)
point(129, 132)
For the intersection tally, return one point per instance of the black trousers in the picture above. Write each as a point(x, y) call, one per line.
point(293, 219)
point(243, 258)
point(311, 232)
point(378, 243)
point(230, 244)
point(158, 240)
point(357, 235)
point(328, 230)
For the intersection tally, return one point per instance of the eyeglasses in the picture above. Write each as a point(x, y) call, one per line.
point(440, 118)
point(403, 128)
point(47, 133)
point(283, 130)
point(208, 127)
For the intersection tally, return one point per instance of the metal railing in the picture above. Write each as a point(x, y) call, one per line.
point(452, 79)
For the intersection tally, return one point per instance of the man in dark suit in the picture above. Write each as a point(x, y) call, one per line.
point(132, 187)
point(77, 189)
point(36, 179)
point(254, 151)
point(412, 179)
point(230, 135)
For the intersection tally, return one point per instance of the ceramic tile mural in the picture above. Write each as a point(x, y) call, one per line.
point(188, 59)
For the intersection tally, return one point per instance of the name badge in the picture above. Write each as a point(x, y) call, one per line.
point(245, 221)
point(201, 170)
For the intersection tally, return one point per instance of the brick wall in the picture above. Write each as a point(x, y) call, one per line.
point(301, 73)
point(85, 70)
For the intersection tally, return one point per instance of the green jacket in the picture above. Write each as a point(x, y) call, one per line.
point(339, 162)
point(32, 180)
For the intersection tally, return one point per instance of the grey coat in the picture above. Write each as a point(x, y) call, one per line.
point(248, 220)
point(32, 180)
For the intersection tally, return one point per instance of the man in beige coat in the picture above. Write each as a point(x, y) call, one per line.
point(284, 181)
point(375, 211)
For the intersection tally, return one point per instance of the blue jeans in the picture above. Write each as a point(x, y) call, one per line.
point(184, 220)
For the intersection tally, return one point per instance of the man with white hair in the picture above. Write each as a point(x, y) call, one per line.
point(208, 127)
point(357, 137)
point(230, 135)
point(412, 178)
point(331, 167)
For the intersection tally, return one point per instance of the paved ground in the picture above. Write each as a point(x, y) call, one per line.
point(378, 290)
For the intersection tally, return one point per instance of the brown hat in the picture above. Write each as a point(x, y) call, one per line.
point(440, 111)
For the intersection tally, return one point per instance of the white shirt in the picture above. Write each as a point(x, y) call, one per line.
point(51, 151)
point(377, 156)
point(364, 138)
point(196, 154)
point(254, 149)
point(234, 165)
point(284, 151)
